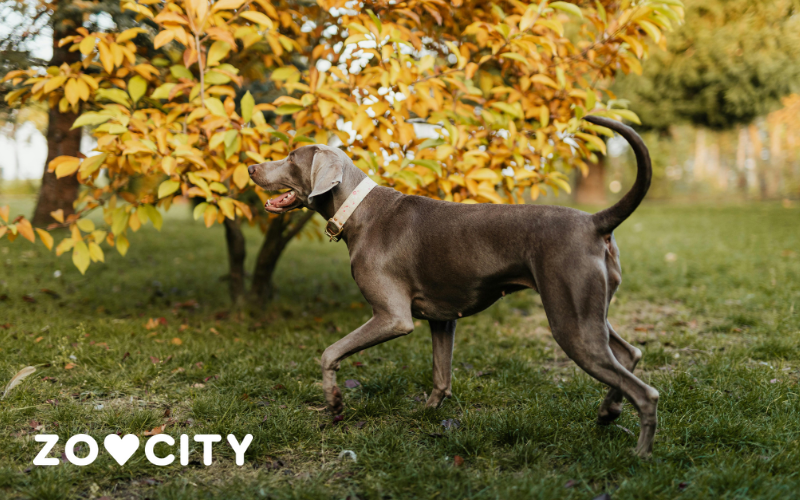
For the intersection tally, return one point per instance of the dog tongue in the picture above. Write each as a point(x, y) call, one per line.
point(281, 201)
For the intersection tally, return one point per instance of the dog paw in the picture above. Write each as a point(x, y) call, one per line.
point(606, 416)
point(335, 401)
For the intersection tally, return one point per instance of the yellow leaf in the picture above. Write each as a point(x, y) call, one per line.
point(219, 50)
point(227, 5)
point(71, 91)
point(107, 56)
point(80, 256)
point(85, 225)
point(4, 210)
point(54, 83)
point(163, 38)
point(96, 253)
point(26, 230)
point(168, 165)
point(210, 215)
point(593, 140)
point(87, 45)
point(226, 204)
point(137, 86)
point(65, 246)
point(58, 215)
point(241, 176)
point(67, 167)
point(122, 244)
point(176, 341)
point(247, 104)
point(91, 164)
point(529, 17)
point(129, 34)
point(257, 17)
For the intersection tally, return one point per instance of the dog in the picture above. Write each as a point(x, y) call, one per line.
point(415, 257)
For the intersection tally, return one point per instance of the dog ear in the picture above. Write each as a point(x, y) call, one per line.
point(326, 172)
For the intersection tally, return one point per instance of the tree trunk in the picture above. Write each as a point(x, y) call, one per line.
point(280, 232)
point(234, 238)
point(61, 193)
point(591, 190)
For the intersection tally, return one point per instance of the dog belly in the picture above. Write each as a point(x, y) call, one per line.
point(458, 304)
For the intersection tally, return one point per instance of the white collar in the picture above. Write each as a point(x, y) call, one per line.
point(336, 223)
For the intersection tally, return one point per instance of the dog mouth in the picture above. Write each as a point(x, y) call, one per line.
point(282, 203)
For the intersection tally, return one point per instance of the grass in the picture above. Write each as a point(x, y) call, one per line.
point(717, 324)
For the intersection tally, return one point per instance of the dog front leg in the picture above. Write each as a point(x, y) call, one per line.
point(443, 335)
point(378, 329)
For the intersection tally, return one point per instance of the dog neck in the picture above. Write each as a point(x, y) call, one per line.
point(351, 178)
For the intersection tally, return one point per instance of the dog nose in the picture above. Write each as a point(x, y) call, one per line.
point(251, 169)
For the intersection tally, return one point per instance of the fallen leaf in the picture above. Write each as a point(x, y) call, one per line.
point(351, 383)
point(51, 293)
point(155, 360)
point(458, 461)
point(155, 430)
point(167, 413)
point(198, 385)
point(151, 324)
point(213, 330)
point(176, 341)
point(69, 366)
point(126, 356)
point(570, 483)
point(17, 379)
point(361, 424)
point(29, 298)
point(38, 339)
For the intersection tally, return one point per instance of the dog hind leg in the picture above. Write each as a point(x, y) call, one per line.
point(443, 336)
point(628, 356)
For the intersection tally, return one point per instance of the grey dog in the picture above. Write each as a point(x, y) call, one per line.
point(414, 257)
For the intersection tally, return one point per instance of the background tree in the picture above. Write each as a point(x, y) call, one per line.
point(503, 84)
point(57, 19)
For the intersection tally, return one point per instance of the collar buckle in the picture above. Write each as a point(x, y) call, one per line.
point(333, 231)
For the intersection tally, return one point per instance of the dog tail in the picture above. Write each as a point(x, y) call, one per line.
point(608, 220)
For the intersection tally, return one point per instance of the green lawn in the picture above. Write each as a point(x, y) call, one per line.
point(717, 324)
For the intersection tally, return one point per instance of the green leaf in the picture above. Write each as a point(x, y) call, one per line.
point(247, 104)
point(288, 109)
point(303, 138)
point(90, 118)
point(431, 143)
point(215, 106)
point(180, 71)
point(431, 164)
point(568, 8)
point(163, 91)
point(375, 20)
point(118, 96)
point(628, 115)
point(216, 78)
point(154, 215)
point(167, 188)
point(199, 210)
point(280, 135)
point(137, 86)
point(119, 221)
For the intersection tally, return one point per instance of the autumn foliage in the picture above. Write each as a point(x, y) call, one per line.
point(503, 83)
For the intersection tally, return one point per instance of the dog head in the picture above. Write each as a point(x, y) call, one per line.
point(307, 173)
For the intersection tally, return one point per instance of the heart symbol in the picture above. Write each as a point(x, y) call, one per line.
point(121, 448)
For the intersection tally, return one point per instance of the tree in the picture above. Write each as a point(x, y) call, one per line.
point(63, 18)
point(732, 61)
point(501, 81)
